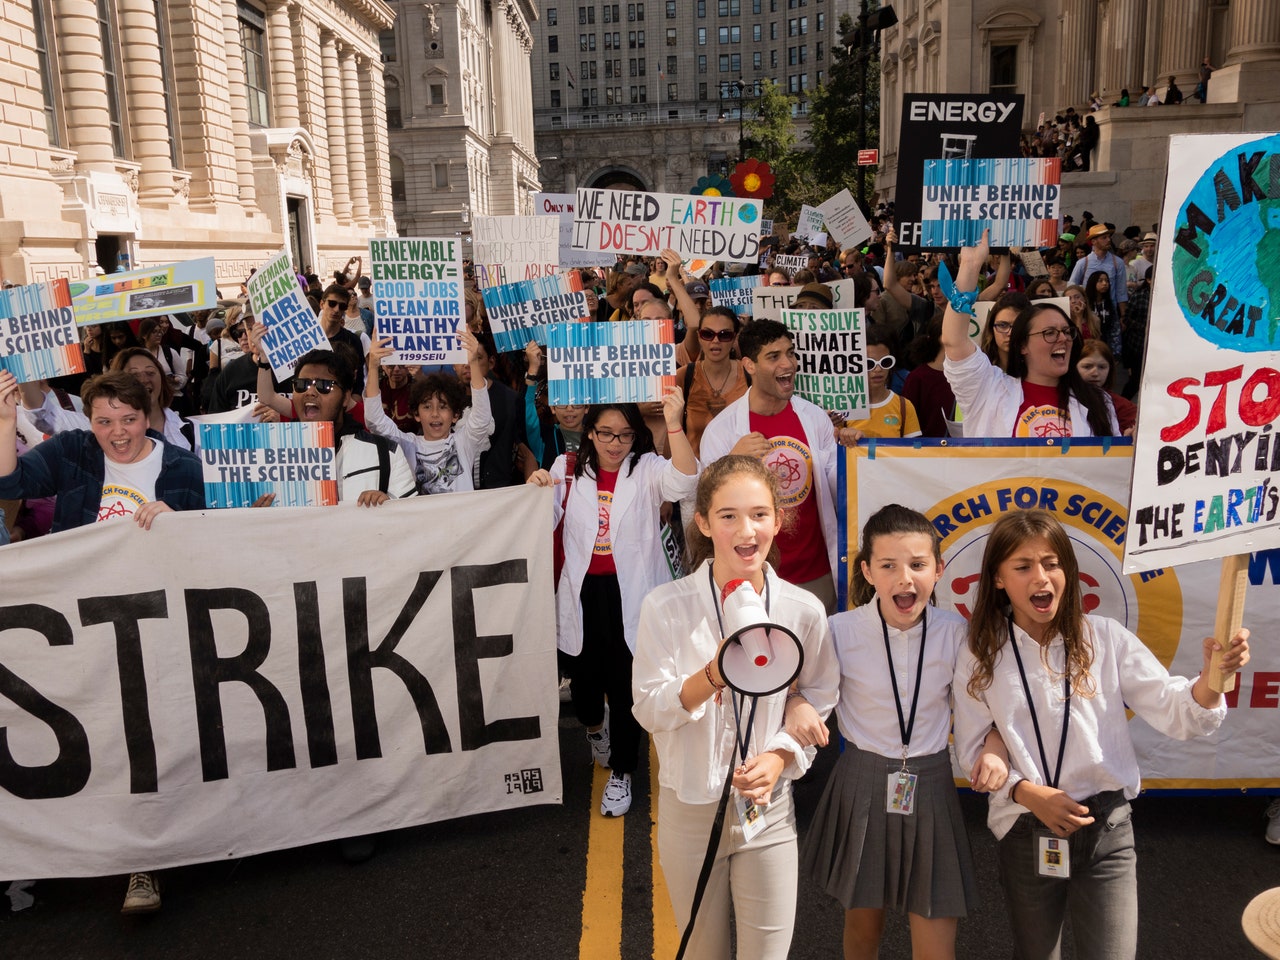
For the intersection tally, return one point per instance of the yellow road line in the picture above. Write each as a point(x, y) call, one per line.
point(602, 894)
point(666, 935)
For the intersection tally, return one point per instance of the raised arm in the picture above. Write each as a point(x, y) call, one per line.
point(996, 287)
point(688, 309)
point(267, 395)
point(955, 325)
point(891, 285)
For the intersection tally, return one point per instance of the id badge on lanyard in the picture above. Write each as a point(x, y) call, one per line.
point(900, 788)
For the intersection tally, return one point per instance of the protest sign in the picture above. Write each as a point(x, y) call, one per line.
point(790, 262)
point(632, 361)
point(191, 713)
point(735, 293)
point(1033, 263)
point(766, 228)
point(809, 223)
point(1015, 198)
point(507, 249)
point(520, 312)
point(245, 461)
point(1206, 471)
point(417, 291)
point(38, 334)
point(963, 487)
point(150, 292)
point(562, 205)
point(701, 228)
point(767, 303)
point(844, 220)
point(292, 326)
point(958, 126)
point(832, 355)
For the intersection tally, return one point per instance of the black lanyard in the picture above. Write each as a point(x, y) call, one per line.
point(1035, 723)
point(743, 741)
point(905, 727)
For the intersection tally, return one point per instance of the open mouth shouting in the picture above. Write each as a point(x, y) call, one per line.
point(1043, 602)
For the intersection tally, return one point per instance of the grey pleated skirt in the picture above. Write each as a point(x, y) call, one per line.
point(866, 857)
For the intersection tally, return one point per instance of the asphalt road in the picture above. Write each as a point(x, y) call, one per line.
point(512, 885)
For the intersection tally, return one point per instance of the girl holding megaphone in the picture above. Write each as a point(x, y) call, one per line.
point(713, 742)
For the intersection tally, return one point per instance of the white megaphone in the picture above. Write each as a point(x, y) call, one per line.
point(759, 657)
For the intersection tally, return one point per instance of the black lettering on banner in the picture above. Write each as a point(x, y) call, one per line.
point(68, 772)
point(469, 649)
point(361, 661)
point(123, 613)
point(209, 671)
point(317, 708)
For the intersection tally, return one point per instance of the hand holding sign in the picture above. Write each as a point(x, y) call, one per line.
point(1221, 664)
point(673, 409)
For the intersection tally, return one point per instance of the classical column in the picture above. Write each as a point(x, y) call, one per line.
point(1255, 31)
point(148, 116)
point(1183, 44)
point(1079, 33)
point(1122, 49)
point(239, 104)
point(334, 145)
point(284, 81)
point(373, 110)
point(80, 66)
point(354, 145)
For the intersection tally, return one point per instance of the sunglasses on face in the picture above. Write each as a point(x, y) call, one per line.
point(884, 363)
point(236, 332)
point(724, 336)
point(323, 386)
point(335, 304)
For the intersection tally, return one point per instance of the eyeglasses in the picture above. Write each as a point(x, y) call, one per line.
point(303, 384)
point(336, 303)
point(850, 266)
point(724, 336)
point(626, 437)
point(884, 363)
point(236, 332)
point(1002, 327)
point(1054, 334)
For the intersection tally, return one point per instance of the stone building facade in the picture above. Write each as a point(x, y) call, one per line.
point(1059, 52)
point(459, 105)
point(146, 131)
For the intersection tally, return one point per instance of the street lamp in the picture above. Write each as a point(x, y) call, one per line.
point(870, 23)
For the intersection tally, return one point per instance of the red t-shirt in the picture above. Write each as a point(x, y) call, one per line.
point(602, 555)
point(801, 544)
point(1040, 416)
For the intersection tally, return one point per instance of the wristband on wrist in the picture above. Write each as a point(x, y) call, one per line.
point(263, 366)
point(675, 430)
point(961, 301)
point(712, 680)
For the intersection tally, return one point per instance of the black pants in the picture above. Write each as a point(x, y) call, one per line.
point(603, 669)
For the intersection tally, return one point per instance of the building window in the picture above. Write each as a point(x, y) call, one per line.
point(639, 94)
point(1004, 69)
point(773, 59)
point(822, 22)
point(387, 45)
point(804, 26)
point(702, 36)
point(729, 8)
point(437, 94)
point(555, 98)
point(672, 63)
point(724, 63)
point(755, 6)
point(164, 42)
point(702, 8)
point(673, 91)
point(392, 90)
point(553, 44)
point(440, 174)
point(671, 37)
point(702, 91)
point(586, 15)
point(757, 32)
point(817, 50)
point(635, 12)
point(555, 70)
point(702, 63)
point(773, 30)
point(552, 17)
point(111, 75)
point(45, 59)
point(397, 179)
point(671, 9)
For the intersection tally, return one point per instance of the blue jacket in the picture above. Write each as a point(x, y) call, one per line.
point(71, 466)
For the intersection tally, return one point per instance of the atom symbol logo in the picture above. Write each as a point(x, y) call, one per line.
point(603, 532)
point(116, 509)
point(1052, 428)
point(788, 469)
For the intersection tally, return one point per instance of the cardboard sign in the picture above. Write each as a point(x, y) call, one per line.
point(292, 326)
point(844, 220)
point(700, 228)
point(1017, 199)
point(1206, 469)
point(170, 288)
point(953, 127)
point(633, 361)
point(244, 461)
point(417, 292)
point(520, 312)
point(735, 293)
point(562, 205)
point(832, 354)
point(790, 262)
point(809, 223)
point(507, 249)
point(38, 334)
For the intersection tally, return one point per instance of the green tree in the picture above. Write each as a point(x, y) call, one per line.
point(771, 137)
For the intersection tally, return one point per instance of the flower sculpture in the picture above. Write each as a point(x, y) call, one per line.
point(712, 185)
point(753, 179)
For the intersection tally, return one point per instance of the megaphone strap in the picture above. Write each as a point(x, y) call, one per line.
point(905, 726)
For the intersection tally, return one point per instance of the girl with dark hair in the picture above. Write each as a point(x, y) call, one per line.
point(613, 556)
point(1097, 295)
point(1056, 684)
point(680, 698)
point(1040, 394)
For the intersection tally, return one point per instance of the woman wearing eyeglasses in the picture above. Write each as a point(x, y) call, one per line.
point(1040, 394)
point(995, 335)
point(715, 379)
point(613, 557)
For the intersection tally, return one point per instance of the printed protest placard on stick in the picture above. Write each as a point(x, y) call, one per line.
point(1206, 465)
point(809, 223)
point(292, 326)
point(633, 361)
point(790, 262)
point(1016, 198)
point(832, 354)
point(520, 312)
point(699, 228)
point(172, 287)
point(735, 293)
point(38, 334)
point(767, 303)
point(244, 461)
point(417, 290)
point(507, 249)
point(562, 205)
point(844, 220)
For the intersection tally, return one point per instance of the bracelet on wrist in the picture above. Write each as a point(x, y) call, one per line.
point(675, 430)
point(712, 680)
point(263, 366)
point(961, 301)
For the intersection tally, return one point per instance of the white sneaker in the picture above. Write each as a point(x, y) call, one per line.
point(1273, 822)
point(599, 742)
point(143, 895)
point(617, 795)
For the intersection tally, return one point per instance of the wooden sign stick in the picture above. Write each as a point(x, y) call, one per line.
point(1231, 587)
